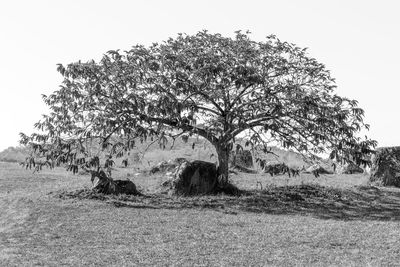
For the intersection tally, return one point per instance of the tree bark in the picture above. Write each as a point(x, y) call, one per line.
point(223, 163)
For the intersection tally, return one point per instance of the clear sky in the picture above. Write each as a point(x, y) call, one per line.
point(359, 41)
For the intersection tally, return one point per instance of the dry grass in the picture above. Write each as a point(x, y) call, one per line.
point(47, 219)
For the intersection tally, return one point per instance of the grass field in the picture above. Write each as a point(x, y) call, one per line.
point(48, 220)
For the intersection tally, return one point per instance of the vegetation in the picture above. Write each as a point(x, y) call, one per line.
point(207, 85)
point(14, 154)
point(290, 222)
point(385, 170)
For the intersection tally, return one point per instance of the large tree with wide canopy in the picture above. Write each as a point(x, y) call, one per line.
point(216, 87)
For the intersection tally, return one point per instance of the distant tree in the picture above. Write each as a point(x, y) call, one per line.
point(207, 85)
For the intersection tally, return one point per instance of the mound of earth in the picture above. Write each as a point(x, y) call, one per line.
point(385, 170)
point(197, 178)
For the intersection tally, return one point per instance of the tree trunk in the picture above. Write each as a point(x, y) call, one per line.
point(223, 163)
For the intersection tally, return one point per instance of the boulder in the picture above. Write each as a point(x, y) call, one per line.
point(242, 158)
point(195, 178)
point(385, 170)
point(126, 187)
point(104, 184)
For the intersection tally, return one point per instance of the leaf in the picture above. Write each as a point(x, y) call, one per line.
point(208, 85)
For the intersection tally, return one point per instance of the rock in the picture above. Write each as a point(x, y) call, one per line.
point(115, 187)
point(385, 170)
point(242, 158)
point(195, 178)
point(125, 187)
point(104, 184)
point(352, 168)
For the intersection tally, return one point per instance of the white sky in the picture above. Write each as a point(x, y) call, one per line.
point(359, 41)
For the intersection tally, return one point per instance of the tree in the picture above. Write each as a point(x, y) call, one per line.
point(216, 87)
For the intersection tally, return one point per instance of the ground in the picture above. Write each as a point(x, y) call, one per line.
point(47, 219)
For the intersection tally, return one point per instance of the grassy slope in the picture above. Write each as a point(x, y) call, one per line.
point(37, 228)
point(13, 154)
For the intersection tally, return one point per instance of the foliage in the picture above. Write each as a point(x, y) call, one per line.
point(205, 84)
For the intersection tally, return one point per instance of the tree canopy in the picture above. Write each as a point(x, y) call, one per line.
point(271, 92)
